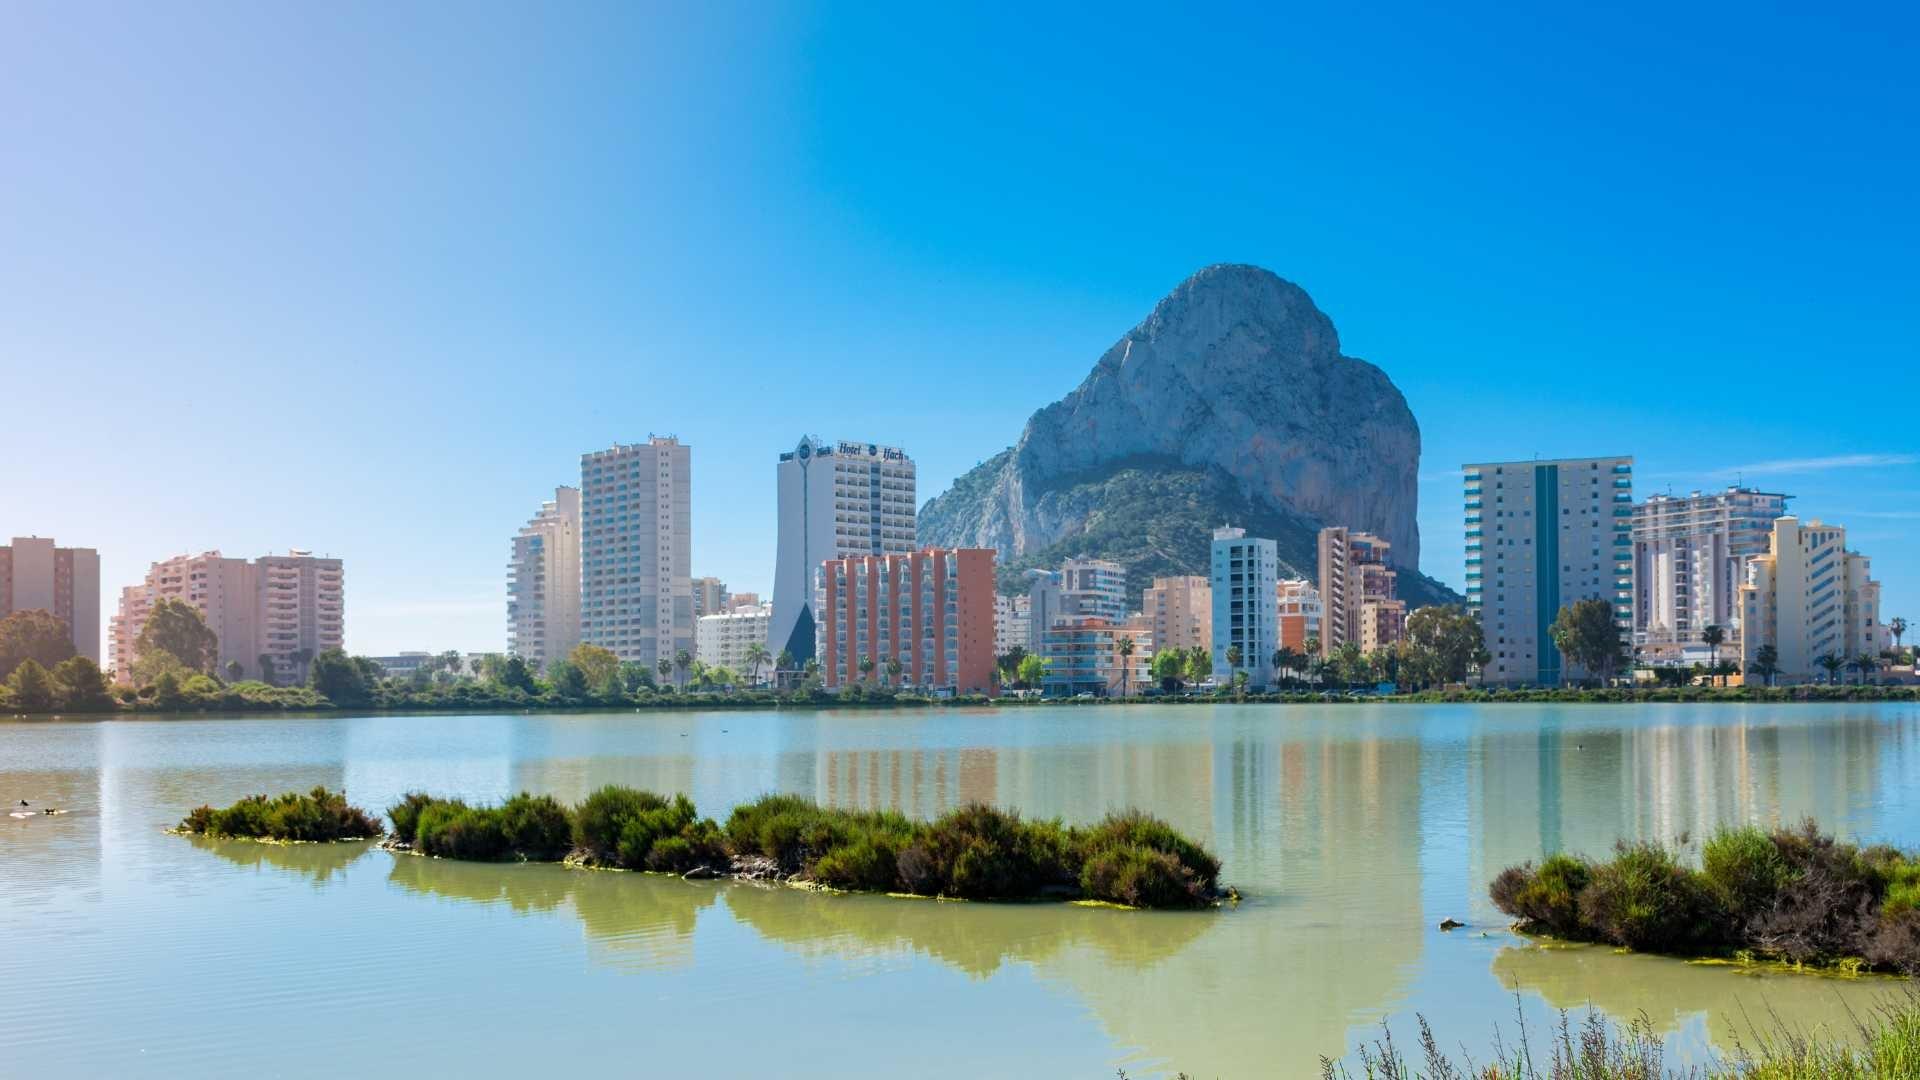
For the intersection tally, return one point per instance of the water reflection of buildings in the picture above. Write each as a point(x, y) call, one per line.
point(1573, 785)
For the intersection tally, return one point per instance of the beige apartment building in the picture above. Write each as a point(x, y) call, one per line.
point(272, 615)
point(1180, 612)
point(543, 582)
point(710, 597)
point(636, 549)
point(1357, 584)
point(37, 575)
point(1809, 597)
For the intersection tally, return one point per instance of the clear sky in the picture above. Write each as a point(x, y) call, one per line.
point(368, 278)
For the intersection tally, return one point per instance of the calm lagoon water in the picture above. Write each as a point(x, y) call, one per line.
point(1351, 831)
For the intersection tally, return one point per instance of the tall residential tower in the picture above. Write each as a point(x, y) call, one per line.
point(1246, 605)
point(1689, 560)
point(64, 582)
point(543, 582)
point(836, 501)
point(1542, 535)
point(636, 549)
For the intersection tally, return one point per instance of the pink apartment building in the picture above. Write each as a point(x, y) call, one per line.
point(272, 615)
point(932, 610)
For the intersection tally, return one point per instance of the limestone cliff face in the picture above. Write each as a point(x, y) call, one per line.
point(1235, 373)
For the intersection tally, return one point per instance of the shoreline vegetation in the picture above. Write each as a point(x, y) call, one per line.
point(1793, 896)
point(975, 852)
point(213, 697)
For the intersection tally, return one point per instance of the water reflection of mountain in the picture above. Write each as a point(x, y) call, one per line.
point(315, 862)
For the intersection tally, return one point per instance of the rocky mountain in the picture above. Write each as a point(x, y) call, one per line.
point(1230, 404)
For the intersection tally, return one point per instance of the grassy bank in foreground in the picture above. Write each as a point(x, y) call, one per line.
point(319, 815)
point(1884, 1045)
point(975, 852)
point(1793, 895)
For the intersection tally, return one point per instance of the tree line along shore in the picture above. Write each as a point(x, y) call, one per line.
point(177, 673)
point(975, 852)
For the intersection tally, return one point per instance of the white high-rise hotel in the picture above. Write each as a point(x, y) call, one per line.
point(636, 549)
point(837, 501)
point(543, 582)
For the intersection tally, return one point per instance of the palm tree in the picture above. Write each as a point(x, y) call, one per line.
point(1898, 626)
point(866, 668)
point(1125, 648)
point(1833, 664)
point(235, 670)
point(756, 655)
point(303, 657)
point(266, 668)
point(664, 666)
point(783, 662)
point(1312, 645)
point(812, 668)
point(893, 670)
point(1233, 656)
point(683, 660)
point(1867, 665)
point(1766, 663)
point(1287, 660)
point(1712, 636)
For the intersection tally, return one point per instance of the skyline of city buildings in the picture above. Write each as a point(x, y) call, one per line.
point(636, 549)
point(36, 574)
point(1010, 622)
point(1809, 597)
point(543, 582)
point(833, 501)
point(1245, 588)
point(1357, 584)
point(1689, 562)
point(932, 610)
point(1558, 532)
point(270, 615)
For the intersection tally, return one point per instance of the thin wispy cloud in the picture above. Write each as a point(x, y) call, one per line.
point(1784, 466)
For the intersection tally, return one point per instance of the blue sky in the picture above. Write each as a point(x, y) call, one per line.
point(368, 279)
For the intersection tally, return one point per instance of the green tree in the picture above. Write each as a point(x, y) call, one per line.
point(32, 688)
point(1834, 665)
point(756, 656)
point(155, 663)
point(235, 671)
point(1287, 661)
point(1032, 672)
point(1125, 647)
point(1444, 644)
point(1713, 637)
point(1898, 627)
point(664, 666)
point(1867, 665)
point(1234, 656)
point(81, 685)
point(515, 673)
point(635, 676)
point(335, 675)
point(33, 635)
point(1313, 646)
point(893, 670)
point(177, 627)
point(783, 662)
point(683, 661)
point(1240, 679)
point(1766, 663)
point(567, 679)
point(265, 660)
point(1350, 664)
point(1586, 634)
point(1199, 666)
point(596, 664)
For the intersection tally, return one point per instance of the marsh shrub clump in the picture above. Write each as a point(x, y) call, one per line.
point(973, 852)
point(316, 816)
point(1789, 894)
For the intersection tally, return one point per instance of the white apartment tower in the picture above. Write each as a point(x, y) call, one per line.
point(636, 549)
point(1542, 535)
point(1246, 608)
point(1689, 560)
point(836, 501)
point(1809, 597)
point(543, 582)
